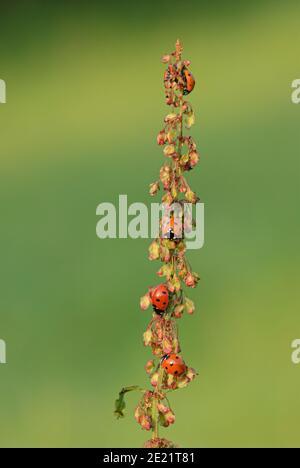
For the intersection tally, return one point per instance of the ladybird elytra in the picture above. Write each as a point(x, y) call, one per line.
point(173, 364)
point(189, 81)
point(160, 298)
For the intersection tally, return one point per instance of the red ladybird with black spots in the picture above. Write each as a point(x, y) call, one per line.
point(173, 364)
point(160, 298)
point(189, 81)
point(174, 75)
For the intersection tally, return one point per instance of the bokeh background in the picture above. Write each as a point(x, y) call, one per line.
point(84, 105)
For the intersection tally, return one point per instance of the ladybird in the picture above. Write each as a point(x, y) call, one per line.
point(189, 81)
point(173, 364)
point(171, 228)
point(160, 298)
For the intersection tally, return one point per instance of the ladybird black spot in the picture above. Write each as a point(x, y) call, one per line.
point(177, 357)
point(164, 292)
point(164, 303)
point(171, 364)
point(176, 372)
point(157, 300)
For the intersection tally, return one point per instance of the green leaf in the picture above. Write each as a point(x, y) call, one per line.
point(120, 404)
point(190, 120)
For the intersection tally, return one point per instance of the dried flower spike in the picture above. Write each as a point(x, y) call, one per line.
point(167, 369)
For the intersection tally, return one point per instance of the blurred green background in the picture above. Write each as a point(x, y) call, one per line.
point(84, 105)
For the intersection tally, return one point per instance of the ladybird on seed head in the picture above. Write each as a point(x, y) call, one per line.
point(160, 298)
point(173, 364)
point(171, 228)
point(189, 81)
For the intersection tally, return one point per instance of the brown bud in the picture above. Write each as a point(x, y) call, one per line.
point(167, 346)
point(147, 337)
point(154, 251)
point(190, 306)
point(149, 367)
point(163, 408)
point(154, 379)
point(165, 254)
point(161, 138)
point(171, 117)
point(191, 196)
point(189, 280)
point(171, 135)
point(167, 199)
point(154, 188)
point(145, 422)
point(157, 350)
point(159, 443)
point(194, 158)
point(178, 311)
point(170, 286)
point(169, 150)
point(170, 417)
point(191, 373)
point(178, 49)
point(190, 120)
point(166, 58)
point(165, 270)
point(138, 414)
point(145, 302)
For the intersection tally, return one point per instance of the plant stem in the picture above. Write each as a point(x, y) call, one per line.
point(181, 119)
point(155, 433)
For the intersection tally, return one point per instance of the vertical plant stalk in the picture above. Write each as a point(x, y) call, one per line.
point(167, 370)
point(155, 426)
